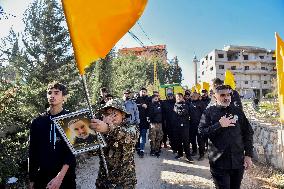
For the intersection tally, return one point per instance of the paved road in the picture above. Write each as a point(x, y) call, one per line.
point(164, 172)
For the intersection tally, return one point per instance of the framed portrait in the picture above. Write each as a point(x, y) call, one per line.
point(75, 129)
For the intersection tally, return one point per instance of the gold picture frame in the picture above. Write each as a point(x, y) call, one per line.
point(75, 130)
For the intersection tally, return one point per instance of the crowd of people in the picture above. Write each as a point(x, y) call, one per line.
point(188, 123)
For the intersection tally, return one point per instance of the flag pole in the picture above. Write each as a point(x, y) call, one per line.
point(282, 143)
point(92, 116)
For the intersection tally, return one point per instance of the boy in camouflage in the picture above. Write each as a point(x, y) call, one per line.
point(119, 153)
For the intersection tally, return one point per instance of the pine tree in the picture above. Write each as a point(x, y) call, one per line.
point(47, 53)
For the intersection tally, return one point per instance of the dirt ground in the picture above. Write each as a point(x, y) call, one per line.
point(166, 172)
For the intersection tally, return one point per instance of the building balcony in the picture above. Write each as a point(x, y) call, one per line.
point(258, 71)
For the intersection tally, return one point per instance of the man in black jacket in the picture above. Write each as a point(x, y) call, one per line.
point(168, 111)
point(142, 102)
point(51, 163)
point(231, 140)
point(156, 131)
point(197, 107)
point(182, 123)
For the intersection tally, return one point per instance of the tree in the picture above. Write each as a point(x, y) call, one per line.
point(175, 71)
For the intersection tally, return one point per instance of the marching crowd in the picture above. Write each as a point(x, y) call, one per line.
point(191, 122)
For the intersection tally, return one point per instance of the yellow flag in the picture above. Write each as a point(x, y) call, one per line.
point(280, 73)
point(229, 79)
point(198, 87)
point(95, 26)
point(193, 89)
point(206, 86)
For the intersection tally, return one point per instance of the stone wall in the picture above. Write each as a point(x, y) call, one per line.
point(268, 145)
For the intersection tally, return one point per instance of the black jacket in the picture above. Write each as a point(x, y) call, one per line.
point(143, 112)
point(155, 113)
point(227, 145)
point(48, 151)
point(236, 100)
point(181, 117)
point(168, 112)
point(197, 108)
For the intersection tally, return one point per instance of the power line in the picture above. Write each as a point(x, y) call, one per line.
point(140, 26)
point(136, 38)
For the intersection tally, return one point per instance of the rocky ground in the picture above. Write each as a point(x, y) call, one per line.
point(168, 173)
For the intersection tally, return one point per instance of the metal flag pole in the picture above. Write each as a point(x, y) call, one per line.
point(282, 143)
point(92, 116)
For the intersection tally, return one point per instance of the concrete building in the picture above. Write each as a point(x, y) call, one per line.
point(253, 68)
point(148, 51)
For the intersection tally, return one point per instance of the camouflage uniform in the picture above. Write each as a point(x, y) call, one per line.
point(119, 155)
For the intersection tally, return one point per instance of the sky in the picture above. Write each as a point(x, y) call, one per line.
point(191, 27)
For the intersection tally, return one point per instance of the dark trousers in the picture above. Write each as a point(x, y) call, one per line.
point(201, 144)
point(183, 141)
point(192, 138)
point(227, 178)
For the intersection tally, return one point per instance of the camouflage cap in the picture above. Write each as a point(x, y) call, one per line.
point(116, 104)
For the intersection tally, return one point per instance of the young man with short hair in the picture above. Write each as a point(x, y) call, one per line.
point(51, 163)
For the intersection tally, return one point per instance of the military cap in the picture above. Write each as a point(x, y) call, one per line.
point(116, 104)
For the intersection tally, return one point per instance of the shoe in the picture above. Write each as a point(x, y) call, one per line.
point(157, 154)
point(193, 153)
point(201, 158)
point(178, 157)
point(165, 145)
point(152, 153)
point(141, 154)
point(189, 159)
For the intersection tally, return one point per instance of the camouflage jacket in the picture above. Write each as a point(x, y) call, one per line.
point(119, 155)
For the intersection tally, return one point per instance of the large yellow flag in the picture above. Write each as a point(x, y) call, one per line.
point(206, 86)
point(95, 26)
point(280, 73)
point(198, 87)
point(229, 79)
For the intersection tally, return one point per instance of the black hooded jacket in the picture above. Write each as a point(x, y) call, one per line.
point(48, 151)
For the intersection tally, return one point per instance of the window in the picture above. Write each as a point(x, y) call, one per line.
point(233, 67)
point(203, 73)
point(221, 67)
point(202, 62)
point(264, 82)
point(246, 57)
point(261, 57)
point(273, 58)
point(263, 68)
point(220, 55)
point(246, 82)
point(210, 57)
point(246, 67)
point(211, 69)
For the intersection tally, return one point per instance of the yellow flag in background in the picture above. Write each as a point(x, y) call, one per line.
point(95, 26)
point(193, 89)
point(229, 79)
point(206, 86)
point(280, 73)
point(198, 87)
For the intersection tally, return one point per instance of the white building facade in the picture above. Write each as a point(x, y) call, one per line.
point(253, 68)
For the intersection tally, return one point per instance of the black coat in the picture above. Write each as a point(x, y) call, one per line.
point(227, 145)
point(143, 112)
point(197, 108)
point(155, 113)
point(181, 116)
point(168, 112)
